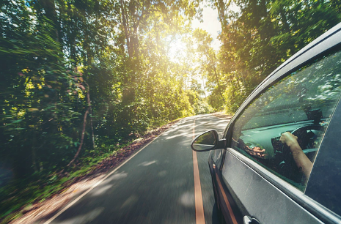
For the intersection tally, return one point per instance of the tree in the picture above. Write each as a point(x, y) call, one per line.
point(259, 36)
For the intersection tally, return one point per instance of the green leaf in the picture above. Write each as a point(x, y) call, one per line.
point(16, 121)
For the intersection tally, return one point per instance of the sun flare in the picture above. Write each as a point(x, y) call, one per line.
point(176, 49)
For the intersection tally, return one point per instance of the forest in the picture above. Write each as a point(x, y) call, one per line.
point(82, 78)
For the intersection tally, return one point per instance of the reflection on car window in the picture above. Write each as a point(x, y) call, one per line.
point(282, 129)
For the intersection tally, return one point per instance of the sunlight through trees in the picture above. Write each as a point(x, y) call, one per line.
point(81, 78)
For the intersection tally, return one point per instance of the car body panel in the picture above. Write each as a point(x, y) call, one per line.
point(324, 184)
point(235, 177)
point(256, 193)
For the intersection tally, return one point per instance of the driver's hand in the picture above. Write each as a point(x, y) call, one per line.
point(258, 149)
point(289, 139)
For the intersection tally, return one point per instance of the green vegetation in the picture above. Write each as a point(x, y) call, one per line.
point(258, 36)
point(81, 78)
point(22, 193)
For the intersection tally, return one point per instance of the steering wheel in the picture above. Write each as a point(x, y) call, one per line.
point(306, 138)
point(306, 135)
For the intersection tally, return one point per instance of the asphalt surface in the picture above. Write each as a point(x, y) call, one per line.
point(156, 185)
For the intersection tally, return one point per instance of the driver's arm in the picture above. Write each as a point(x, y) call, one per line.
point(302, 161)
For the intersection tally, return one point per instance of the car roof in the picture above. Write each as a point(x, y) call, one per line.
point(321, 44)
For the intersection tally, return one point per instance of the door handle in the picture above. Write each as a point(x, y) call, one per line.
point(250, 220)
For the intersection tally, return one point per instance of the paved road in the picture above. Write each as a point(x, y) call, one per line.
point(155, 186)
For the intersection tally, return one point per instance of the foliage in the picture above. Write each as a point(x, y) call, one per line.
point(79, 78)
point(257, 36)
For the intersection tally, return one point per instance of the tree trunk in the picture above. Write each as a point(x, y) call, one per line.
point(126, 32)
point(34, 161)
point(82, 138)
point(84, 126)
point(221, 13)
point(216, 77)
point(50, 12)
point(92, 132)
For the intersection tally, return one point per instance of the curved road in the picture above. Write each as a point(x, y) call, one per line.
point(156, 185)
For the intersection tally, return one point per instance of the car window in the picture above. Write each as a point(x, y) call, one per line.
point(283, 127)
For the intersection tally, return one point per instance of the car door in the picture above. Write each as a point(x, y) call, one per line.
point(324, 182)
point(262, 180)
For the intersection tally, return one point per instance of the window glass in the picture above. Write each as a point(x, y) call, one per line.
point(283, 127)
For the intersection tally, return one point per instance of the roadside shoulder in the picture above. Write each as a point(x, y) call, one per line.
point(222, 115)
point(42, 212)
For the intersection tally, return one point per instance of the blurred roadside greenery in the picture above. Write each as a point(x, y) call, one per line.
point(80, 78)
point(257, 37)
point(21, 194)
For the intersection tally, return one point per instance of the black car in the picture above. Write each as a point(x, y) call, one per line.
point(279, 160)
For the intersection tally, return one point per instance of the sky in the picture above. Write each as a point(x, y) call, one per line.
point(210, 23)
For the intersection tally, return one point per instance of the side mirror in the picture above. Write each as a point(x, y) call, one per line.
point(207, 141)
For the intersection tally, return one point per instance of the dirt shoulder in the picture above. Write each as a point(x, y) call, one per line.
point(42, 211)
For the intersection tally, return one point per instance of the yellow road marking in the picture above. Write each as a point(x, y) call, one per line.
point(199, 206)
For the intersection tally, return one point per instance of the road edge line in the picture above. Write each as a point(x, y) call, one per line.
point(95, 185)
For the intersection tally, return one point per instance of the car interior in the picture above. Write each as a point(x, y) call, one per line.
point(276, 156)
point(301, 103)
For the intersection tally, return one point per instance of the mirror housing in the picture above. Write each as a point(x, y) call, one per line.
point(207, 141)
